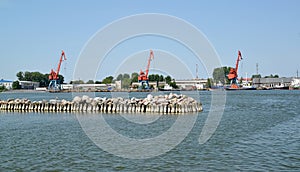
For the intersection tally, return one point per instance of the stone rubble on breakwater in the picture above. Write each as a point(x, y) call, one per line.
point(172, 104)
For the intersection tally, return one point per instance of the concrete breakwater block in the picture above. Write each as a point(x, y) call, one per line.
point(172, 103)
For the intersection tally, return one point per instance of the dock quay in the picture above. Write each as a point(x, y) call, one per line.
point(163, 104)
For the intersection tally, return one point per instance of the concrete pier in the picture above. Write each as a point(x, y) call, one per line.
point(165, 104)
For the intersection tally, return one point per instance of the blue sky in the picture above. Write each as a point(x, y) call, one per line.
point(33, 33)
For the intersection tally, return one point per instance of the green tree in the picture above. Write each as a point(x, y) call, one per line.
point(41, 78)
point(108, 80)
point(126, 82)
point(156, 77)
point(220, 74)
point(256, 76)
point(77, 82)
point(208, 83)
point(90, 82)
point(16, 85)
point(61, 79)
point(126, 75)
point(37, 77)
point(272, 76)
point(2, 88)
point(161, 78)
point(134, 77)
point(27, 76)
point(173, 84)
point(151, 77)
point(45, 81)
point(119, 77)
point(20, 76)
point(168, 79)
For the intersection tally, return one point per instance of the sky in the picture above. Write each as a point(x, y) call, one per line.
point(33, 33)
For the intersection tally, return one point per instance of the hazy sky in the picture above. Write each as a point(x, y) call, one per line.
point(33, 33)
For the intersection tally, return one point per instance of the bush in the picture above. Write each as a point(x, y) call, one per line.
point(2, 88)
point(16, 85)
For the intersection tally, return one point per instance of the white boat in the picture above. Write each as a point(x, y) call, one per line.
point(280, 86)
point(248, 87)
point(295, 83)
point(167, 87)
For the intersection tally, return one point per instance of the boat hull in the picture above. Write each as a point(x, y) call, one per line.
point(235, 89)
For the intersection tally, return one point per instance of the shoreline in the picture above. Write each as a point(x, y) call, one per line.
point(129, 91)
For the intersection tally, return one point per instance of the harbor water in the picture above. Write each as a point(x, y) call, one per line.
point(259, 131)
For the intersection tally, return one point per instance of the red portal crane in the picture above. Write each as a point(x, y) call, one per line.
point(233, 73)
point(143, 77)
point(53, 76)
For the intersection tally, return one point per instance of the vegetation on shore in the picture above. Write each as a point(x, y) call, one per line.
point(125, 78)
point(2, 88)
point(36, 77)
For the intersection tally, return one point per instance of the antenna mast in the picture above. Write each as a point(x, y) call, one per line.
point(196, 71)
point(256, 68)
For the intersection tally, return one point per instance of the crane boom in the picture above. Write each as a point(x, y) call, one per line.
point(233, 73)
point(60, 61)
point(237, 61)
point(149, 61)
point(54, 74)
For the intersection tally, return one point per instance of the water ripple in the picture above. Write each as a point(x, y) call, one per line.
point(259, 131)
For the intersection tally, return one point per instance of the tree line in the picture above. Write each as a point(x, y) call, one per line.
point(128, 79)
point(41, 78)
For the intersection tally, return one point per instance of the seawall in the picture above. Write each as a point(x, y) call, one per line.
point(166, 104)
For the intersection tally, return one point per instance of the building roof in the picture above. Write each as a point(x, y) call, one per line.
point(271, 80)
point(28, 82)
point(3, 81)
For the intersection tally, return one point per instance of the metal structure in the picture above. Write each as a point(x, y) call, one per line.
point(197, 71)
point(233, 73)
point(143, 76)
point(54, 84)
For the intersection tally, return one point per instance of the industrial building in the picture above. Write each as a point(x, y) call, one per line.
point(272, 82)
point(189, 84)
point(192, 84)
point(88, 87)
point(30, 85)
point(6, 83)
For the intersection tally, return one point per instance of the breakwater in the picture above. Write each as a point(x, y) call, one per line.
point(172, 103)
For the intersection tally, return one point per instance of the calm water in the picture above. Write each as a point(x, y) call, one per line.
point(259, 131)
